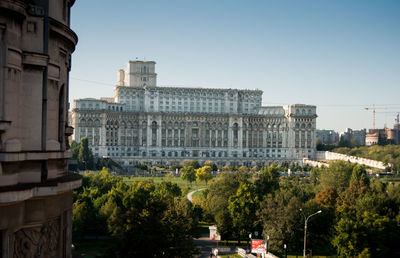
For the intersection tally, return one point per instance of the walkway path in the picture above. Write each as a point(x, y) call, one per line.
point(190, 194)
point(203, 242)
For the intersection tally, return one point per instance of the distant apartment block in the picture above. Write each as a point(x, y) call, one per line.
point(356, 135)
point(327, 136)
point(382, 136)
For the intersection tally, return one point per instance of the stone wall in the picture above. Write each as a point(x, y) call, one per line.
point(37, 227)
point(327, 156)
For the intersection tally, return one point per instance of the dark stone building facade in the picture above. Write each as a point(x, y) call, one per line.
point(35, 185)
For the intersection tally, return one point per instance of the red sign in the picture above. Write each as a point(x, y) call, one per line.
point(258, 246)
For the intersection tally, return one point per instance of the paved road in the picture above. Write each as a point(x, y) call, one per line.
point(204, 244)
point(190, 195)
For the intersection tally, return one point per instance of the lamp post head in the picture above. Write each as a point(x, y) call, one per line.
point(319, 211)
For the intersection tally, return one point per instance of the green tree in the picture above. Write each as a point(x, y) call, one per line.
point(216, 204)
point(152, 215)
point(168, 189)
point(211, 164)
point(204, 174)
point(243, 169)
point(320, 228)
point(188, 174)
point(337, 175)
point(75, 149)
point(227, 168)
point(356, 233)
point(242, 208)
point(135, 216)
point(81, 217)
point(194, 163)
point(359, 174)
point(281, 219)
point(327, 197)
point(85, 157)
point(268, 180)
point(255, 169)
point(367, 219)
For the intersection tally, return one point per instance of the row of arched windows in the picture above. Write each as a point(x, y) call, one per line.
point(303, 112)
point(170, 124)
point(303, 125)
point(90, 122)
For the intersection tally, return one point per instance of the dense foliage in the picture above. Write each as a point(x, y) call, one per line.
point(142, 219)
point(340, 144)
point(359, 216)
point(86, 161)
point(82, 154)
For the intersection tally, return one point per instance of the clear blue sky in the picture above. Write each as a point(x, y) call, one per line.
point(338, 55)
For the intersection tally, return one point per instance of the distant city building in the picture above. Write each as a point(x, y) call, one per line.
point(358, 136)
point(166, 125)
point(327, 136)
point(382, 136)
point(35, 185)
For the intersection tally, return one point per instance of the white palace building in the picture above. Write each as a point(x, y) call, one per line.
point(158, 125)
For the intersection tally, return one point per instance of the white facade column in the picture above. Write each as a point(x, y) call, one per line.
point(159, 121)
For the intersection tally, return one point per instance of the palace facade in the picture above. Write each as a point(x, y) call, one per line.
point(166, 125)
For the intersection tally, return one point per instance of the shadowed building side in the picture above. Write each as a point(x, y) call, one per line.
point(35, 185)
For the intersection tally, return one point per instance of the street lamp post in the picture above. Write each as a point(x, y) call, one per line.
point(285, 251)
point(249, 247)
point(305, 229)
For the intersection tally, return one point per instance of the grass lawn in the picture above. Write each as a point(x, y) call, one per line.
point(198, 194)
point(92, 248)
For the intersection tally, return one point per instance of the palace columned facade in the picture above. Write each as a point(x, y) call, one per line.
point(166, 125)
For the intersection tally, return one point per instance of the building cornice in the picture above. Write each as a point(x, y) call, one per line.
point(172, 88)
point(34, 155)
point(22, 192)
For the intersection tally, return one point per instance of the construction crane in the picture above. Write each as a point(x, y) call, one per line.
point(373, 108)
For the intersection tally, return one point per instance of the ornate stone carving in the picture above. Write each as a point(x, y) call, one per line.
point(37, 242)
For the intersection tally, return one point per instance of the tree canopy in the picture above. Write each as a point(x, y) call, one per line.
point(204, 174)
point(188, 173)
point(142, 218)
